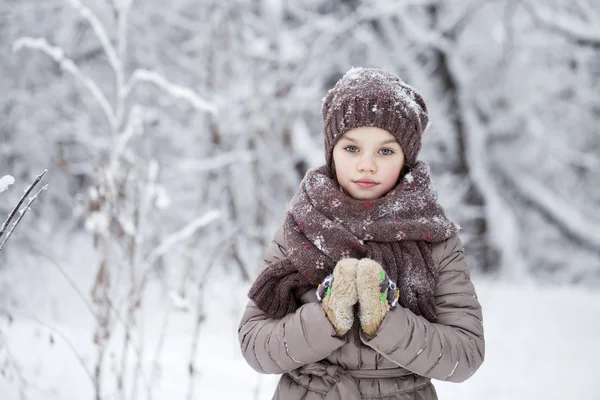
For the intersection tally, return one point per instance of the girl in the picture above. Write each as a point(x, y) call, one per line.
point(365, 292)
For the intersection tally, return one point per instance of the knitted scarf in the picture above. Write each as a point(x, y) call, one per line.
point(324, 225)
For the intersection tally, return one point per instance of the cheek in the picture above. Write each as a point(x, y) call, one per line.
point(390, 174)
point(341, 165)
point(341, 172)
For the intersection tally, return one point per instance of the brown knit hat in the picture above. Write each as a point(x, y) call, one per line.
point(372, 97)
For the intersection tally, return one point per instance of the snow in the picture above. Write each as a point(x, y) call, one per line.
point(403, 93)
point(353, 73)
point(541, 343)
point(319, 243)
point(5, 182)
point(541, 340)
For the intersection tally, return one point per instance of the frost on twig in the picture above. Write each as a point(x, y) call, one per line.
point(218, 162)
point(4, 182)
point(142, 75)
point(182, 234)
point(100, 32)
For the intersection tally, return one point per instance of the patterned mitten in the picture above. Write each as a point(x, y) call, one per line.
point(377, 294)
point(337, 295)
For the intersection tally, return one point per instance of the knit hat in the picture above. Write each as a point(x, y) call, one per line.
point(373, 97)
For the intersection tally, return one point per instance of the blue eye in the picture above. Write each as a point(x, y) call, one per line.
point(386, 152)
point(351, 149)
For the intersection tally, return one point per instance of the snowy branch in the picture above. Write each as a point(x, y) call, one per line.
point(503, 234)
point(503, 226)
point(134, 122)
point(22, 214)
point(567, 217)
point(4, 183)
point(565, 153)
point(177, 91)
point(428, 37)
point(218, 162)
point(304, 145)
point(182, 235)
point(573, 29)
point(100, 32)
point(57, 54)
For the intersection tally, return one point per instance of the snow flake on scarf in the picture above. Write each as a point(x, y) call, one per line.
point(323, 225)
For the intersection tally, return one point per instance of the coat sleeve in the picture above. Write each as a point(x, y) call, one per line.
point(452, 348)
point(275, 346)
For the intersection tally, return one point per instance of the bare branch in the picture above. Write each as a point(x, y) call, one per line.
point(65, 339)
point(10, 180)
point(23, 211)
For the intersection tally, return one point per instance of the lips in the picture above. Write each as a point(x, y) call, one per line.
point(365, 183)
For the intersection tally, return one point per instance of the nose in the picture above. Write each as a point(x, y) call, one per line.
point(367, 164)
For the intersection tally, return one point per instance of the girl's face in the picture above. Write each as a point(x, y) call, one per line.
point(367, 162)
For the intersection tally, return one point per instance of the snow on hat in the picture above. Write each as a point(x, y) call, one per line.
point(373, 97)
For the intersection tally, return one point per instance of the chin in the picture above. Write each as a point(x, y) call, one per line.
point(364, 196)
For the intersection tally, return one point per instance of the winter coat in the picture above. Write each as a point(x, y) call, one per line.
point(398, 363)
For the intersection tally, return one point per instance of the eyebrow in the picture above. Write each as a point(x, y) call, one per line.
point(392, 140)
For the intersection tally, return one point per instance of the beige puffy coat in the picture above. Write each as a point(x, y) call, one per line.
point(398, 363)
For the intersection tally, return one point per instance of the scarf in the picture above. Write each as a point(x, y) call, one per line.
point(323, 225)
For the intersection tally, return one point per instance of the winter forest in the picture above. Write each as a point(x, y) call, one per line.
point(174, 134)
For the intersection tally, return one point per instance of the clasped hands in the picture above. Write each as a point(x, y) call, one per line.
point(357, 281)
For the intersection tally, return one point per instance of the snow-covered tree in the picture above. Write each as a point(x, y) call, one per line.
point(156, 118)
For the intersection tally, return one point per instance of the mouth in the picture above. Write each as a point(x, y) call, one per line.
point(366, 183)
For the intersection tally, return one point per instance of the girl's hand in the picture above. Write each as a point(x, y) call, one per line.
point(337, 295)
point(377, 294)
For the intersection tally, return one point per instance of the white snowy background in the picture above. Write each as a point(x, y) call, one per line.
point(175, 133)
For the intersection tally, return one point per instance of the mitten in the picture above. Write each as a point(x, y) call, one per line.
point(377, 294)
point(337, 295)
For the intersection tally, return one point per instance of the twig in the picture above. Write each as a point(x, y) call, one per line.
point(143, 75)
point(66, 340)
point(181, 235)
point(70, 280)
point(14, 211)
point(14, 225)
point(89, 306)
point(200, 314)
point(196, 336)
point(159, 346)
point(216, 163)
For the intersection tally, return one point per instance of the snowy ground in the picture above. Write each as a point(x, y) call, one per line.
point(542, 343)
